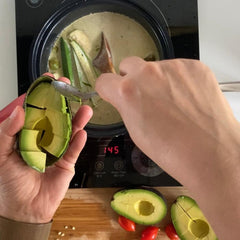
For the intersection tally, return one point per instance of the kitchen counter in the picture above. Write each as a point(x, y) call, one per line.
point(90, 213)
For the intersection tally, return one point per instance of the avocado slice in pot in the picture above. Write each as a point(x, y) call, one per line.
point(47, 128)
point(189, 221)
point(144, 206)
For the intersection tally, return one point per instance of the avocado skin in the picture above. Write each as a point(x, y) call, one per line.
point(144, 188)
point(50, 159)
point(147, 188)
point(149, 195)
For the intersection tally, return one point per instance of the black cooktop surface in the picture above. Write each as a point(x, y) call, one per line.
point(109, 161)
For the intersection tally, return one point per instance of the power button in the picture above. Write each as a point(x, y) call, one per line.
point(34, 3)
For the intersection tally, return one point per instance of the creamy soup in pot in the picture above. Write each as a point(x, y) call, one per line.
point(125, 36)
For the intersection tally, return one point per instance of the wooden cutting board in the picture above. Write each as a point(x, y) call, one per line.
point(85, 214)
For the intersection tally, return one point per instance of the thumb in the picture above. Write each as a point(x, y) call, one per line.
point(9, 128)
point(108, 87)
point(4, 113)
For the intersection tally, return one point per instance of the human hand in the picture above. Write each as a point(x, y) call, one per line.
point(27, 195)
point(176, 114)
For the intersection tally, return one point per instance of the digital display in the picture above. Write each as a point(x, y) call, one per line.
point(112, 150)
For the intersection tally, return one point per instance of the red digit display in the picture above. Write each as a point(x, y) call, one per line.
point(116, 149)
point(112, 149)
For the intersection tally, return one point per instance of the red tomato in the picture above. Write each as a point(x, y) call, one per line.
point(171, 232)
point(150, 233)
point(126, 224)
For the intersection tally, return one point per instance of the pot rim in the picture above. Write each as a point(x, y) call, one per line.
point(151, 19)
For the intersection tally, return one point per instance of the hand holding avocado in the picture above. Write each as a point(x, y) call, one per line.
point(24, 191)
point(176, 113)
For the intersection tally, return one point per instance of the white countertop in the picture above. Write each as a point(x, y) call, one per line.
point(219, 46)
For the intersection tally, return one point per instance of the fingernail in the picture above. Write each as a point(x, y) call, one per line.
point(14, 113)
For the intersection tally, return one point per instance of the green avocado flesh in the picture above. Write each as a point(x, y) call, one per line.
point(142, 206)
point(189, 221)
point(37, 160)
point(47, 128)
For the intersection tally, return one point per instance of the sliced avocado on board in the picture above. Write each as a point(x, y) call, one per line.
point(189, 221)
point(142, 205)
point(47, 127)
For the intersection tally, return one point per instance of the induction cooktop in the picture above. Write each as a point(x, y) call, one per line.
point(107, 161)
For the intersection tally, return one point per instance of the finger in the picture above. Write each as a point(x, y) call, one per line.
point(9, 128)
point(69, 159)
point(81, 118)
point(64, 79)
point(108, 86)
point(5, 113)
point(78, 140)
point(48, 74)
point(130, 65)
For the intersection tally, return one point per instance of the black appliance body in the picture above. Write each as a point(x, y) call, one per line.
point(107, 160)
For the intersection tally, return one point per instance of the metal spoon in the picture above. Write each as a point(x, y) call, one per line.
point(103, 60)
point(72, 93)
point(230, 86)
point(75, 94)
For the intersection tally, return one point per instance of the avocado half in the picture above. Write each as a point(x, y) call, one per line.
point(189, 221)
point(144, 206)
point(47, 128)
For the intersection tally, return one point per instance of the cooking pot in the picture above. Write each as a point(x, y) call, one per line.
point(144, 12)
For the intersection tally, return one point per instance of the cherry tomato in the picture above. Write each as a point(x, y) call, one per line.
point(171, 232)
point(126, 224)
point(150, 233)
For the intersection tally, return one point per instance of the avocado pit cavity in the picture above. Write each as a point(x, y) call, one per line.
point(144, 208)
point(45, 132)
point(199, 228)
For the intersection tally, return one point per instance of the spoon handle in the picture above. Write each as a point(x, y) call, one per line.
point(71, 92)
point(230, 86)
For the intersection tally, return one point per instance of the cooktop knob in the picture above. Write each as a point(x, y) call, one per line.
point(34, 3)
point(143, 164)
